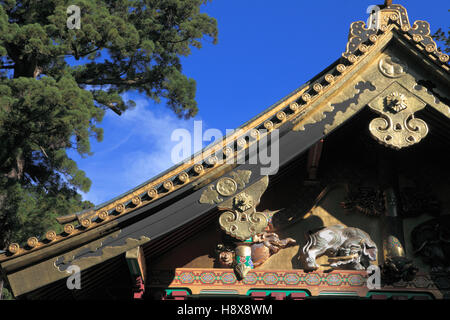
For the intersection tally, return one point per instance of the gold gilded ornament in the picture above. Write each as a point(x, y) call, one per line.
point(120, 208)
point(417, 38)
point(329, 78)
point(268, 125)
point(363, 48)
point(405, 28)
point(198, 168)
point(32, 242)
point(254, 133)
point(340, 68)
point(227, 151)
point(443, 58)
point(183, 177)
point(13, 248)
point(152, 193)
point(397, 127)
point(240, 220)
point(226, 187)
point(68, 228)
point(86, 222)
point(373, 38)
point(392, 67)
point(103, 215)
point(212, 160)
point(243, 201)
point(136, 200)
point(306, 97)
point(396, 101)
point(242, 177)
point(317, 87)
point(430, 48)
point(352, 58)
point(210, 196)
point(281, 116)
point(168, 185)
point(294, 106)
point(242, 225)
point(241, 143)
point(50, 235)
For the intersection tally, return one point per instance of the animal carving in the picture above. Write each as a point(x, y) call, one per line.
point(266, 244)
point(346, 248)
point(431, 241)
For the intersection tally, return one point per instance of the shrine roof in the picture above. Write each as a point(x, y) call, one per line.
point(305, 106)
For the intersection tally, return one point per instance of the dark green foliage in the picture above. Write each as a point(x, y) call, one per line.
point(56, 83)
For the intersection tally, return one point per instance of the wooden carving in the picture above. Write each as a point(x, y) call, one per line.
point(397, 127)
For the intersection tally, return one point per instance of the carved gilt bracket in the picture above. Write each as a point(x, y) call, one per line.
point(397, 127)
point(225, 187)
point(241, 220)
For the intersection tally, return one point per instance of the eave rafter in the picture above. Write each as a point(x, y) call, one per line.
point(296, 108)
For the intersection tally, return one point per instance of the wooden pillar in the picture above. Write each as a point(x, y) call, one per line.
point(314, 155)
point(137, 266)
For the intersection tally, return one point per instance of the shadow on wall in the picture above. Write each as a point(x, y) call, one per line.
point(328, 211)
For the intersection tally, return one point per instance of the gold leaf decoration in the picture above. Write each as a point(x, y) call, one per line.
point(69, 228)
point(242, 225)
point(210, 196)
point(32, 242)
point(13, 248)
point(242, 177)
point(226, 187)
point(397, 127)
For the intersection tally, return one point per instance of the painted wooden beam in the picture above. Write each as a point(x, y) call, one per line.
point(137, 266)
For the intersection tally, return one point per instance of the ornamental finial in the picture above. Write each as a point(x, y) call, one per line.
point(387, 2)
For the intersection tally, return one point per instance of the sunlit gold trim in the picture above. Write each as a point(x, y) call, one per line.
point(293, 106)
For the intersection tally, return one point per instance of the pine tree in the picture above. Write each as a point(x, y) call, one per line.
point(57, 81)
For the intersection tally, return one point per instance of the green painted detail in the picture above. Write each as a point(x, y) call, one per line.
point(169, 291)
point(269, 291)
point(245, 260)
point(409, 294)
point(133, 266)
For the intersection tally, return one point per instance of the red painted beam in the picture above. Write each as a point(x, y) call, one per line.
point(278, 295)
point(179, 295)
point(258, 295)
point(297, 296)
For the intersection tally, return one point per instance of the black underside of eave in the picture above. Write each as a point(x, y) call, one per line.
point(111, 279)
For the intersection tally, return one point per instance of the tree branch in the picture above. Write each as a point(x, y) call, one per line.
point(97, 82)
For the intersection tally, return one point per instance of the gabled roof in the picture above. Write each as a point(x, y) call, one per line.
point(162, 203)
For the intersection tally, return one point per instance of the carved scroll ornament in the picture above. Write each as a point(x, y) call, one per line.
point(392, 67)
point(242, 225)
point(397, 127)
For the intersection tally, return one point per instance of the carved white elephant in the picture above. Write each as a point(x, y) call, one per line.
point(346, 248)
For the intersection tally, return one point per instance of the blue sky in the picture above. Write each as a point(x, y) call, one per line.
point(266, 49)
